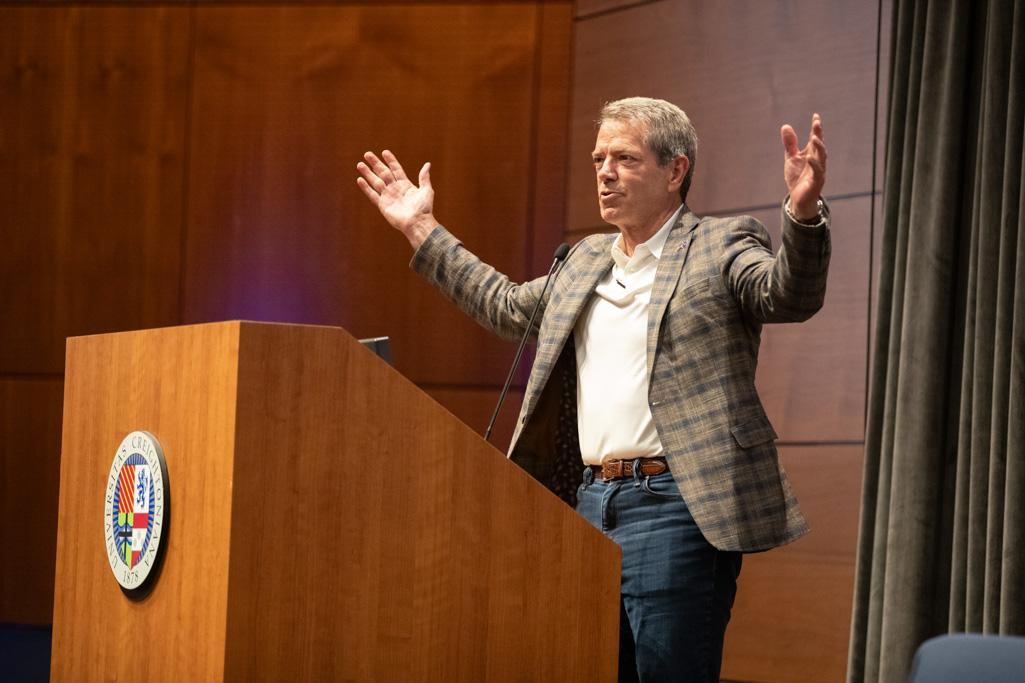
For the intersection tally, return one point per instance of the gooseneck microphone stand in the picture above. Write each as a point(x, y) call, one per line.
point(560, 256)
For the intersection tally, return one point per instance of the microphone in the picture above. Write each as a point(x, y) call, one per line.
point(560, 256)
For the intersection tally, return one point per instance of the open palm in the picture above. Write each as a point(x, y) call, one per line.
point(407, 207)
point(804, 170)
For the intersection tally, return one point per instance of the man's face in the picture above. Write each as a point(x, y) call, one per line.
point(633, 190)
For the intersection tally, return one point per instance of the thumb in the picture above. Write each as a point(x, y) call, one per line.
point(789, 138)
point(425, 175)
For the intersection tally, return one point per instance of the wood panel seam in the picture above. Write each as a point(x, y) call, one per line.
point(533, 141)
point(186, 166)
point(821, 442)
point(613, 10)
point(465, 386)
point(193, 4)
point(735, 211)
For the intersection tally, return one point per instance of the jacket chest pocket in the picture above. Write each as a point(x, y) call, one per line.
point(753, 432)
point(701, 308)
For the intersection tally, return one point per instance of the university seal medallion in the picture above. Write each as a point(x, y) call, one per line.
point(135, 510)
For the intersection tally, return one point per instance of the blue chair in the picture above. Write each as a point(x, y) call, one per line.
point(970, 658)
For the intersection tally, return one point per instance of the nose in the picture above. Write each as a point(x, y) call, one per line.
point(606, 171)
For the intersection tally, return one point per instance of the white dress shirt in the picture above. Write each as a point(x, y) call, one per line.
point(613, 418)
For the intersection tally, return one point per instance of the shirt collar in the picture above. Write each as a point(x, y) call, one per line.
point(652, 247)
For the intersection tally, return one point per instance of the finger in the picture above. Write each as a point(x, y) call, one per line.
point(789, 138)
point(425, 175)
point(394, 165)
point(818, 148)
point(816, 126)
point(374, 198)
point(370, 177)
point(379, 167)
point(818, 168)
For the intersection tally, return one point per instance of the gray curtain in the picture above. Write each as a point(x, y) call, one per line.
point(942, 542)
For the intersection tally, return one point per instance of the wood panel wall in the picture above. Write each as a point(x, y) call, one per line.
point(162, 165)
point(183, 163)
point(741, 70)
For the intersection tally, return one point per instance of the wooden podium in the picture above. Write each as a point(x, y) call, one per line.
point(329, 521)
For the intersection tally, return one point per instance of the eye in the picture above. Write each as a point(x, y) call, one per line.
point(598, 161)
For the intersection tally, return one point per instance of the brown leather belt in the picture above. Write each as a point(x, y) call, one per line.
point(620, 469)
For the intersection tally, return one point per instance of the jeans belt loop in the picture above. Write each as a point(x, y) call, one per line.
point(637, 467)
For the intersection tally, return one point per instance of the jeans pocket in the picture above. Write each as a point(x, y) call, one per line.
point(661, 486)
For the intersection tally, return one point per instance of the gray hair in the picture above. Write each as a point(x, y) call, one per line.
point(669, 132)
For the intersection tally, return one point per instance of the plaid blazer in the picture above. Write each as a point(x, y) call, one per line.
point(717, 282)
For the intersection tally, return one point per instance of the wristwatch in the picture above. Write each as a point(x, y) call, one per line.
point(813, 223)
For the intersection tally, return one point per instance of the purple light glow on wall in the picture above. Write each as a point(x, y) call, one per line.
point(275, 261)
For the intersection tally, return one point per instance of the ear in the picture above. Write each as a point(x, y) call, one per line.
point(680, 165)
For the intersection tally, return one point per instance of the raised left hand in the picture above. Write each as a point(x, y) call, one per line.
point(804, 170)
point(407, 207)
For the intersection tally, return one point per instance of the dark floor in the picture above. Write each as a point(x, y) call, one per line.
point(24, 652)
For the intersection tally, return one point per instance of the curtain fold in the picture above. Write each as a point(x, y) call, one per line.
point(942, 540)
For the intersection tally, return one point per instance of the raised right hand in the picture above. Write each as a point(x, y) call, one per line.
point(804, 170)
point(405, 206)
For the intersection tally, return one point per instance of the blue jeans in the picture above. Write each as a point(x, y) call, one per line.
point(677, 590)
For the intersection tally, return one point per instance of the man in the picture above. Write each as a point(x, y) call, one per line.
point(645, 368)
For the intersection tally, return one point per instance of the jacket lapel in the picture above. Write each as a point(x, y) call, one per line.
point(590, 263)
point(667, 277)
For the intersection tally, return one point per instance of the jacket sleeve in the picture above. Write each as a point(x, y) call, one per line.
point(480, 291)
point(789, 286)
